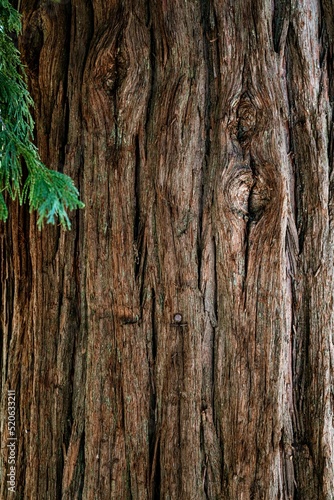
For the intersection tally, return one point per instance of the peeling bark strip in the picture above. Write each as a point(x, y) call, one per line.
point(178, 343)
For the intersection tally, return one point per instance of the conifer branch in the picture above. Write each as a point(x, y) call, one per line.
point(49, 192)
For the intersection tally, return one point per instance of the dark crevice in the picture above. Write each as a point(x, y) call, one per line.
point(154, 435)
point(209, 23)
point(65, 141)
point(121, 64)
point(305, 375)
point(64, 82)
point(330, 69)
point(114, 95)
point(212, 108)
point(302, 378)
point(208, 57)
point(321, 22)
point(216, 307)
point(290, 145)
point(136, 229)
point(251, 218)
point(142, 295)
point(215, 303)
point(212, 112)
point(281, 11)
point(127, 472)
point(199, 247)
point(299, 187)
point(88, 41)
point(204, 456)
point(215, 70)
point(301, 223)
point(323, 42)
point(205, 19)
point(30, 43)
point(82, 465)
point(8, 285)
point(247, 253)
point(9, 314)
point(156, 471)
point(154, 340)
point(153, 52)
point(330, 153)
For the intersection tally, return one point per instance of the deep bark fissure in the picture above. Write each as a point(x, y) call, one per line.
point(279, 20)
point(247, 244)
point(211, 57)
point(205, 22)
point(155, 470)
point(137, 237)
point(154, 422)
point(66, 123)
point(152, 62)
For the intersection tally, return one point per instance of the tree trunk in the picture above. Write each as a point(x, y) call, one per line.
point(200, 136)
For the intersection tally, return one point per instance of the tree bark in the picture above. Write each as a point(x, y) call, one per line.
point(200, 135)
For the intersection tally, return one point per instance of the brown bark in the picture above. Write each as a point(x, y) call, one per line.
point(200, 136)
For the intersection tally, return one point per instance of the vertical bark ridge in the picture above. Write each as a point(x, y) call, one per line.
point(309, 123)
point(174, 156)
point(117, 80)
point(250, 221)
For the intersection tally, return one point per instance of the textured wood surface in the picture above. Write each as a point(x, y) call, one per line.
point(200, 135)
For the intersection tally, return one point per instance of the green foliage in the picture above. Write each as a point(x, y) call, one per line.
point(50, 193)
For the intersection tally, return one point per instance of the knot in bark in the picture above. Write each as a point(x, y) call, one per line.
point(246, 192)
point(259, 197)
point(238, 187)
point(246, 115)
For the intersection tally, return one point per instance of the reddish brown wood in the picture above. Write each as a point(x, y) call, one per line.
point(200, 136)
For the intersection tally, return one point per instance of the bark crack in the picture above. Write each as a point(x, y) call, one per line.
point(153, 55)
point(136, 223)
